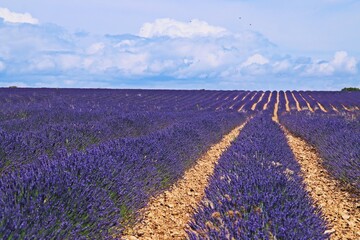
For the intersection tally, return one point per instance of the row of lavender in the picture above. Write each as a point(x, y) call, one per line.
point(86, 194)
point(16, 100)
point(257, 191)
point(336, 137)
point(23, 140)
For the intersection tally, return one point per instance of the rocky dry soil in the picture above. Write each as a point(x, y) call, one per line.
point(339, 205)
point(167, 215)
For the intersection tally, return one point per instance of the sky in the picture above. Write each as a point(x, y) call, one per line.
point(172, 44)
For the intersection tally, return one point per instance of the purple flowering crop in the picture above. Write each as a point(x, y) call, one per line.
point(335, 136)
point(257, 192)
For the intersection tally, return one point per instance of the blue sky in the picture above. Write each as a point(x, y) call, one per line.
point(213, 44)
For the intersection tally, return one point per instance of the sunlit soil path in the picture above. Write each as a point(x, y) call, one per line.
point(322, 108)
point(334, 108)
point(349, 109)
point(307, 103)
point(245, 96)
point(298, 108)
point(167, 215)
point(286, 103)
point(267, 103)
point(253, 96)
point(242, 100)
point(276, 108)
point(254, 105)
point(340, 207)
point(241, 108)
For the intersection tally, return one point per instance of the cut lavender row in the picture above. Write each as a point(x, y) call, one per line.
point(83, 195)
point(257, 192)
point(336, 137)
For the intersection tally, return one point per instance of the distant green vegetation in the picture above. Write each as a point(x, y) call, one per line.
point(350, 89)
point(12, 86)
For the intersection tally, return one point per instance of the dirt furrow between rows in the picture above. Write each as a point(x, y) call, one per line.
point(307, 103)
point(298, 108)
point(340, 207)
point(286, 103)
point(267, 103)
point(276, 108)
point(167, 215)
point(322, 108)
point(254, 105)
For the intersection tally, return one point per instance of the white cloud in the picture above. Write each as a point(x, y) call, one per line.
point(43, 63)
point(68, 61)
point(52, 53)
point(95, 48)
point(256, 59)
point(344, 63)
point(2, 66)
point(341, 63)
point(281, 66)
point(14, 17)
point(174, 29)
point(255, 64)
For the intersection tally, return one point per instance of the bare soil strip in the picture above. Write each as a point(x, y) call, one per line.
point(350, 109)
point(334, 108)
point(340, 207)
point(245, 96)
point(321, 107)
point(239, 110)
point(297, 103)
point(167, 215)
point(311, 97)
point(276, 108)
point(254, 96)
point(266, 104)
point(307, 103)
point(254, 105)
point(286, 103)
point(346, 108)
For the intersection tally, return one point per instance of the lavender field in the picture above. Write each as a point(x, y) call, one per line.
point(82, 163)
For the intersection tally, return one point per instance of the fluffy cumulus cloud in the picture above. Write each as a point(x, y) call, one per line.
point(13, 17)
point(165, 52)
point(171, 28)
point(256, 59)
point(341, 63)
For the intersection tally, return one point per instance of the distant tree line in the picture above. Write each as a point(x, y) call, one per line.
point(350, 89)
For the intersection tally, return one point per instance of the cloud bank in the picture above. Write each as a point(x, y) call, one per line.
point(13, 17)
point(167, 27)
point(166, 53)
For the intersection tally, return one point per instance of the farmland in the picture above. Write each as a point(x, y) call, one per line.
point(89, 164)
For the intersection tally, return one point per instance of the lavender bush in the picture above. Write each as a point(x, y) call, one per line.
point(84, 194)
point(257, 192)
point(336, 137)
